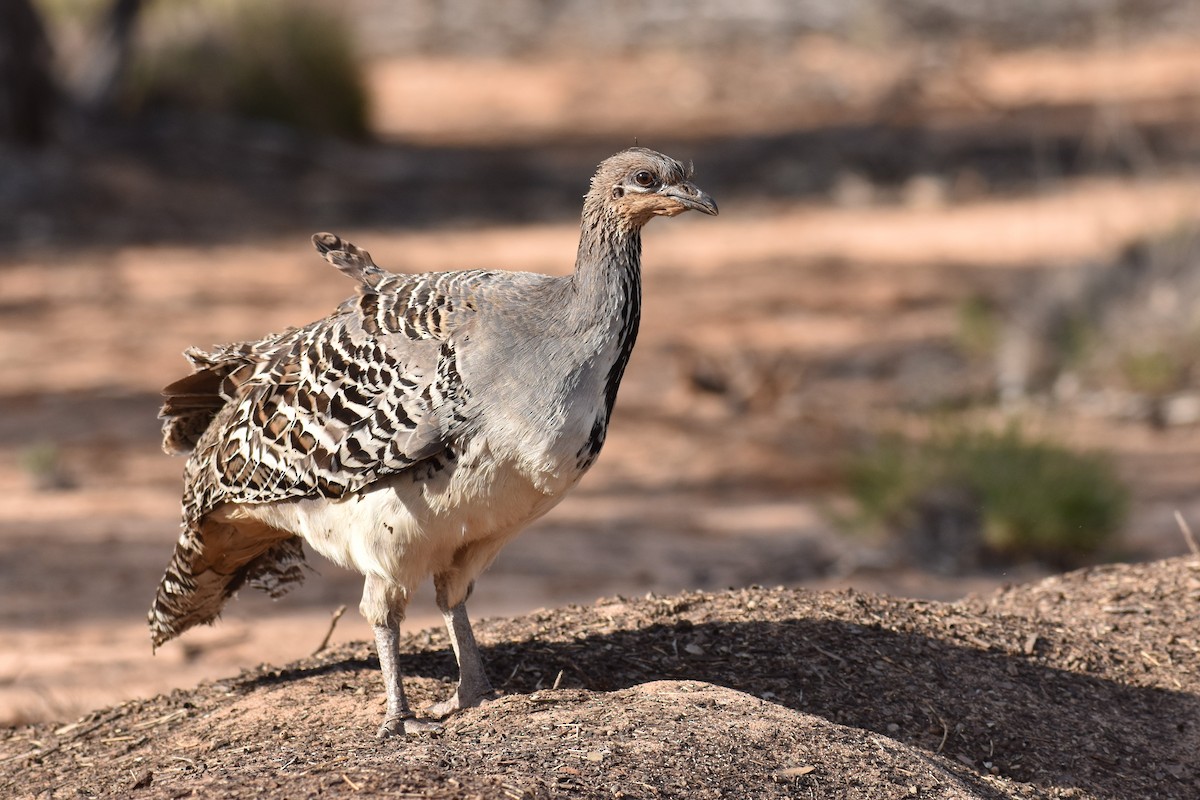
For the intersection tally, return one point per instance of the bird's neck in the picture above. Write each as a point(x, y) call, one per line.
point(607, 284)
point(607, 289)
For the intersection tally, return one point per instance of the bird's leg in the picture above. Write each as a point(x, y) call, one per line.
point(381, 603)
point(387, 643)
point(473, 685)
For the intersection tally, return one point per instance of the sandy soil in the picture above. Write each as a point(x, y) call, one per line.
point(815, 82)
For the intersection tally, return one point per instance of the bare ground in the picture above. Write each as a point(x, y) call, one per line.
point(1080, 686)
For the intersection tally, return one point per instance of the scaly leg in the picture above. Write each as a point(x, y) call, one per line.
point(387, 644)
point(383, 606)
point(473, 686)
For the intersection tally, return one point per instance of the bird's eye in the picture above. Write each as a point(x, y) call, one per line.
point(644, 178)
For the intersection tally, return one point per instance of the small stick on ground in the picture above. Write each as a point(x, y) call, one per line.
point(945, 727)
point(1187, 534)
point(337, 614)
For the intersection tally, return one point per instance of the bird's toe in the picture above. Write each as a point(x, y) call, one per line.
point(457, 702)
point(442, 709)
point(390, 727)
point(407, 726)
point(412, 727)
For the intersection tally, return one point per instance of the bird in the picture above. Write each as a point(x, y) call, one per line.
point(412, 432)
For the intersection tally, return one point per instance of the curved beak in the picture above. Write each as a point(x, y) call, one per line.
point(690, 197)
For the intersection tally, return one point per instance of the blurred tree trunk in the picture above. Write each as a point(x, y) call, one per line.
point(27, 95)
point(105, 65)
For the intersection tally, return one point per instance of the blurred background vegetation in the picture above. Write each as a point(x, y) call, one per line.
point(943, 335)
point(779, 101)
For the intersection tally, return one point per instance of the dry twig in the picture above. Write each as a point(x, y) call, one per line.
point(1187, 534)
point(337, 614)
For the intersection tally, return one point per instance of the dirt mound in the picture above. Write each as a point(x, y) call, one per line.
point(1085, 685)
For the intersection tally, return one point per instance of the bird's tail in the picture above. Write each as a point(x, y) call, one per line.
point(210, 564)
point(191, 403)
point(349, 258)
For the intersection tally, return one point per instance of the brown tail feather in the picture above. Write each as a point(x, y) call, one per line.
point(191, 402)
point(349, 258)
point(211, 563)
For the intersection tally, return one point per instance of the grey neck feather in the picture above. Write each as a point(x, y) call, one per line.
point(608, 270)
point(607, 284)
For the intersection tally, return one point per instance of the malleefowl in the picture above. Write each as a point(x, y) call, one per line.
point(413, 431)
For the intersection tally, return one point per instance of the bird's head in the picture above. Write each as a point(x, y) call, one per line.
point(637, 184)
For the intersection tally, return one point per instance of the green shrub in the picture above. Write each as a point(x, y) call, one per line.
point(1037, 500)
point(43, 463)
point(1155, 372)
point(290, 62)
point(979, 326)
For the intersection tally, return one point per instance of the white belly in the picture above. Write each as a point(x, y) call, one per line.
point(402, 530)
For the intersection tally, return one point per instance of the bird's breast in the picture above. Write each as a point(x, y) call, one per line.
point(558, 432)
point(403, 528)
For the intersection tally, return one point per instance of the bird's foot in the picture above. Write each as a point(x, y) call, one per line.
point(458, 701)
point(406, 725)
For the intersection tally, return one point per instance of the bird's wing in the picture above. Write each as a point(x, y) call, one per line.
point(329, 408)
point(323, 412)
point(320, 411)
